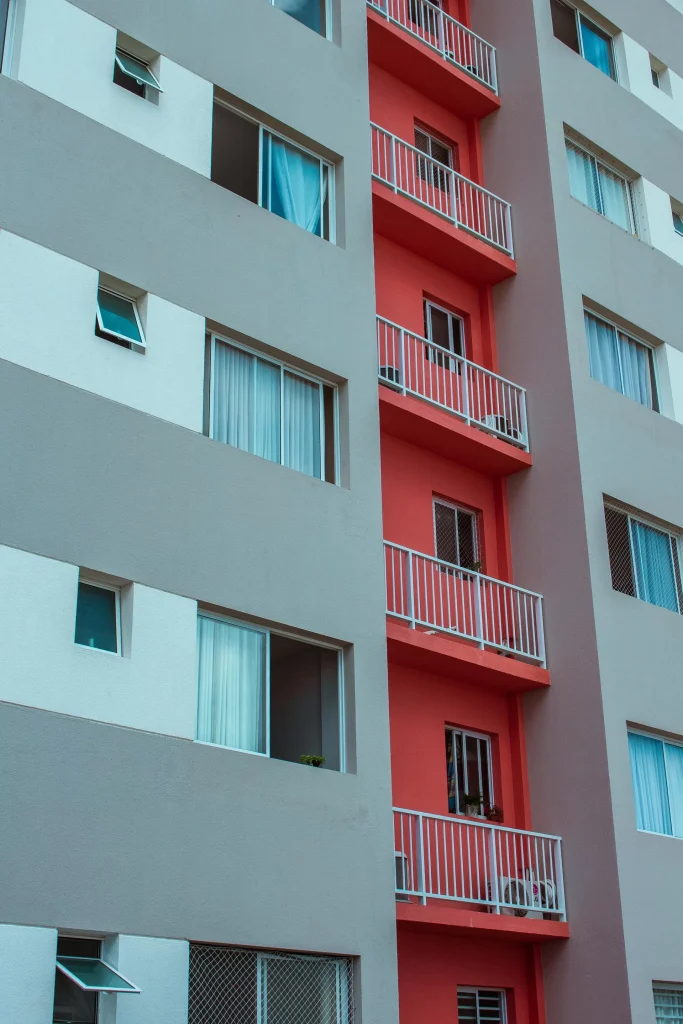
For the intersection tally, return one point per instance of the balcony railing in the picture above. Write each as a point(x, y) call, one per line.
point(415, 366)
point(437, 30)
point(470, 861)
point(426, 591)
point(410, 172)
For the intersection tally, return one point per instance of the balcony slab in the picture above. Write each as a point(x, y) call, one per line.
point(451, 656)
point(421, 423)
point(408, 223)
point(451, 919)
point(417, 64)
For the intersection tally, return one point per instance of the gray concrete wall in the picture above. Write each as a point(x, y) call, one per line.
point(123, 831)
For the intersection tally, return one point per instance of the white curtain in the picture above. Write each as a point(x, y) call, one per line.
point(653, 565)
point(603, 352)
point(301, 424)
point(649, 784)
point(616, 204)
point(295, 185)
point(668, 1005)
point(635, 370)
point(583, 182)
point(231, 698)
point(246, 401)
point(673, 758)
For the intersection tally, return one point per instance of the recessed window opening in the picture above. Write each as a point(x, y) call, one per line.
point(677, 216)
point(668, 1003)
point(314, 14)
point(269, 693)
point(655, 78)
point(657, 776)
point(272, 410)
point(583, 36)
point(446, 330)
point(600, 187)
point(455, 535)
point(644, 560)
point(436, 149)
point(98, 616)
point(620, 361)
point(81, 974)
point(469, 772)
point(134, 74)
point(270, 170)
point(118, 319)
point(481, 1006)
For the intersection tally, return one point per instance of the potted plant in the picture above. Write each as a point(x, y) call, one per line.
point(314, 760)
point(472, 804)
point(494, 813)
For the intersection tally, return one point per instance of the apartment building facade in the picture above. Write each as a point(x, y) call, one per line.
point(341, 584)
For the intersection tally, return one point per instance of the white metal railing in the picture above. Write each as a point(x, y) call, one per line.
point(457, 44)
point(409, 171)
point(471, 861)
point(426, 591)
point(415, 366)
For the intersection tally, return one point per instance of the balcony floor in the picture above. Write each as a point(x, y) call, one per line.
point(451, 656)
point(415, 63)
point(406, 222)
point(451, 919)
point(421, 423)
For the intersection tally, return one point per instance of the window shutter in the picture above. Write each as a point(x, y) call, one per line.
point(619, 546)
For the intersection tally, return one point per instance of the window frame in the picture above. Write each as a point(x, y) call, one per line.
point(154, 84)
point(675, 542)
point(268, 632)
point(327, 34)
point(130, 986)
point(284, 367)
point(476, 515)
point(479, 736)
point(115, 334)
point(90, 582)
point(581, 17)
point(652, 361)
point(628, 183)
point(677, 216)
point(472, 989)
point(665, 741)
point(429, 305)
point(663, 988)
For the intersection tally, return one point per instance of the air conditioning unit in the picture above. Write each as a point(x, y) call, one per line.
point(390, 375)
point(502, 425)
point(526, 893)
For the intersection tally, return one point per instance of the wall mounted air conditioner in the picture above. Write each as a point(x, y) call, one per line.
point(502, 425)
point(390, 375)
point(523, 895)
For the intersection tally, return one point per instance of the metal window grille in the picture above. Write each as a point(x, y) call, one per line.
point(639, 577)
point(668, 1004)
point(244, 986)
point(619, 547)
point(468, 760)
point(481, 1006)
point(455, 531)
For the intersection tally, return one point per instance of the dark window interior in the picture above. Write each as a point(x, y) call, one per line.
point(328, 408)
point(304, 701)
point(444, 329)
point(4, 11)
point(564, 24)
point(235, 153)
point(126, 82)
point(72, 1005)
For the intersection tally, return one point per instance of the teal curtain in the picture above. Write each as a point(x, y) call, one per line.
point(653, 565)
point(597, 48)
point(650, 791)
point(673, 760)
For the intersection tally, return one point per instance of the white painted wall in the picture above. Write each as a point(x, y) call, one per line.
point(69, 55)
point(151, 686)
point(47, 321)
point(27, 974)
point(670, 380)
point(635, 74)
point(160, 969)
point(657, 226)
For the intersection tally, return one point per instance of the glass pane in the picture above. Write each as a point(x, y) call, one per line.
point(232, 685)
point(437, 327)
point(94, 974)
point(246, 402)
point(309, 12)
point(597, 47)
point(653, 565)
point(72, 1005)
point(118, 315)
point(673, 758)
point(564, 24)
point(616, 201)
point(649, 784)
point(96, 618)
point(301, 424)
point(137, 69)
point(636, 377)
point(678, 223)
point(451, 771)
point(669, 1005)
point(467, 539)
point(474, 782)
point(583, 181)
point(603, 352)
point(294, 185)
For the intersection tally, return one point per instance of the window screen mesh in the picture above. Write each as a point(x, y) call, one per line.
point(619, 546)
point(243, 986)
point(483, 1006)
point(456, 535)
point(668, 1005)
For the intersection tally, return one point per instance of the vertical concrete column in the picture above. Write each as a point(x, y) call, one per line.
point(27, 978)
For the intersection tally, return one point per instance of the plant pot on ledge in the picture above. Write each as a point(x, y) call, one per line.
point(314, 760)
point(494, 814)
point(472, 804)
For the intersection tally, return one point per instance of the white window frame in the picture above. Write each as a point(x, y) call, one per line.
point(114, 334)
point(466, 511)
point(471, 734)
point(481, 988)
point(265, 631)
point(154, 84)
point(664, 988)
point(89, 581)
point(429, 305)
point(628, 182)
point(579, 15)
point(327, 34)
point(654, 376)
point(284, 368)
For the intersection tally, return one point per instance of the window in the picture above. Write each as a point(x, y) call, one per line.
point(481, 1006)
point(4, 22)
point(269, 694)
point(644, 560)
point(268, 169)
point(468, 767)
point(98, 617)
point(271, 410)
point(668, 1004)
point(444, 329)
point(134, 74)
point(655, 77)
point(118, 319)
point(455, 533)
point(657, 774)
point(677, 216)
point(312, 13)
point(583, 36)
point(249, 985)
point(80, 975)
point(596, 185)
point(439, 150)
point(620, 361)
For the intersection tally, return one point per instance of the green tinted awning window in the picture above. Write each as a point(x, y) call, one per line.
point(93, 975)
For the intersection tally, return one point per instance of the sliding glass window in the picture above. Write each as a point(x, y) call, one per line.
point(620, 361)
point(644, 560)
point(596, 185)
point(657, 774)
point(271, 410)
point(311, 13)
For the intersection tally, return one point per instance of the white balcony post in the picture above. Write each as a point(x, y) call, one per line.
point(453, 203)
point(508, 231)
point(538, 608)
point(465, 366)
point(522, 418)
point(479, 626)
point(409, 584)
point(493, 859)
point(419, 853)
point(402, 361)
point(442, 33)
point(559, 876)
point(392, 162)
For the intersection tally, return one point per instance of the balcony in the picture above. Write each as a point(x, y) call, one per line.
point(460, 872)
point(473, 414)
point(489, 618)
point(422, 45)
point(442, 215)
